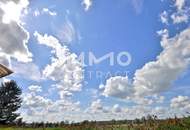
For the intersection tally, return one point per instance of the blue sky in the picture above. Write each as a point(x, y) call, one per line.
point(154, 33)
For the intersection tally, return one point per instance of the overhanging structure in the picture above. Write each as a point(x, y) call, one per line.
point(4, 71)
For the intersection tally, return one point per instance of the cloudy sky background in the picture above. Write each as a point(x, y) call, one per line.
point(41, 42)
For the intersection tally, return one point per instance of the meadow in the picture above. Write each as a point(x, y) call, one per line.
point(167, 124)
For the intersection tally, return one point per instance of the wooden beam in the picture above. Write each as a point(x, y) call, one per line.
point(4, 71)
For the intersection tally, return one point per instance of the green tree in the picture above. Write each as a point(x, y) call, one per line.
point(10, 101)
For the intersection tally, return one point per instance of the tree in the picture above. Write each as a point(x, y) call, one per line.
point(10, 101)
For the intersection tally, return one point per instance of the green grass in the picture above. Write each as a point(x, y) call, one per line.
point(161, 128)
point(57, 129)
point(183, 124)
point(31, 128)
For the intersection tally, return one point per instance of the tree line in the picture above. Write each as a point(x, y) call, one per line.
point(10, 102)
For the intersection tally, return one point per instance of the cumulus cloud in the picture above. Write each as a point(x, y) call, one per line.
point(181, 102)
point(98, 111)
point(118, 87)
point(4, 59)
point(96, 105)
point(47, 40)
point(116, 108)
point(14, 37)
point(31, 100)
point(15, 12)
point(65, 68)
point(13, 42)
point(148, 100)
point(87, 4)
point(36, 107)
point(39, 108)
point(156, 76)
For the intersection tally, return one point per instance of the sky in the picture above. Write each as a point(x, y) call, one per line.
point(97, 60)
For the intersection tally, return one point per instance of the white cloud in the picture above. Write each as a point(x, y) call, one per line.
point(93, 93)
point(13, 11)
point(14, 37)
point(87, 4)
point(4, 59)
point(13, 42)
point(147, 100)
point(26, 70)
point(96, 105)
point(52, 13)
point(36, 13)
point(44, 11)
point(67, 71)
point(116, 108)
point(142, 100)
point(39, 108)
point(179, 4)
point(101, 86)
point(66, 33)
point(182, 14)
point(156, 76)
point(164, 17)
point(65, 67)
point(181, 102)
point(31, 100)
point(118, 87)
point(47, 40)
point(163, 33)
point(98, 111)
point(35, 88)
point(180, 17)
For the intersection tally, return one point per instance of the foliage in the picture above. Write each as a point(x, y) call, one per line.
point(146, 123)
point(10, 101)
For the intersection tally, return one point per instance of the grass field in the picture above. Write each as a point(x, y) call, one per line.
point(62, 129)
point(169, 124)
point(163, 127)
point(31, 128)
point(50, 129)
